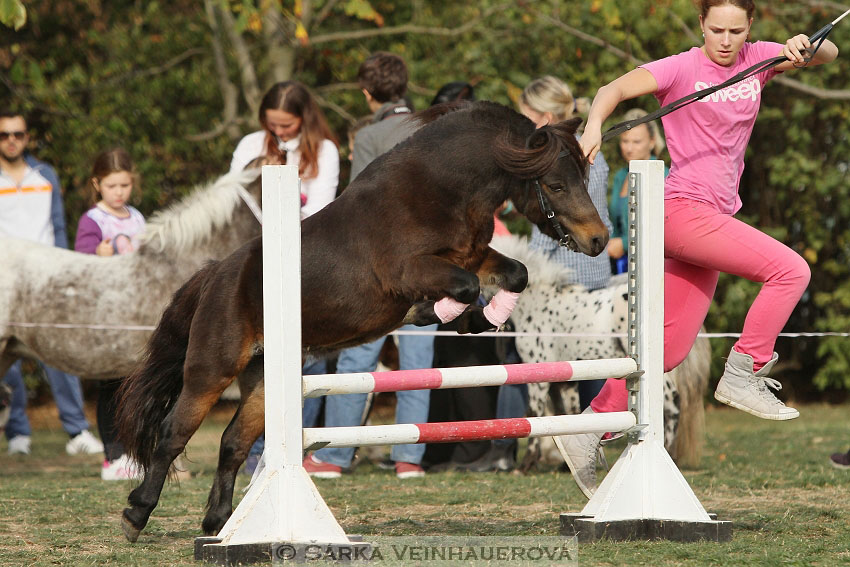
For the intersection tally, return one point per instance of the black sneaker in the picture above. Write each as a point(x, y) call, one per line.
point(840, 460)
point(386, 464)
point(499, 458)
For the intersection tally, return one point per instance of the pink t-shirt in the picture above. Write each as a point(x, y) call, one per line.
point(708, 138)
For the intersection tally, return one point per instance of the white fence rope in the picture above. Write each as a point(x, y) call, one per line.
point(434, 333)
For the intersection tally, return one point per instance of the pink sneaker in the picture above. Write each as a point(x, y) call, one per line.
point(409, 470)
point(319, 469)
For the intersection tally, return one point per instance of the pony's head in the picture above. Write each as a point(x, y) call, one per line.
point(554, 167)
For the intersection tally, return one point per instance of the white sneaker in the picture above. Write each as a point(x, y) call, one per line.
point(580, 451)
point(181, 470)
point(122, 468)
point(746, 390)
point(19, 445)
point(84, 444)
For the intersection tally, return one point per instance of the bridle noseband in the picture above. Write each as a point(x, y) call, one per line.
point(564, 239)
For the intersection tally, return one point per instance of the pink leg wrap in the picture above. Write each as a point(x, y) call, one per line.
point(500, 307)
point(448, 309)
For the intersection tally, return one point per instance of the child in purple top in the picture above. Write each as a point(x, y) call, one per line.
point(109, 228)
point(707, 141)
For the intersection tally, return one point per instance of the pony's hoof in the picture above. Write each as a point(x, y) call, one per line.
point(131, 532)
point(473, 322)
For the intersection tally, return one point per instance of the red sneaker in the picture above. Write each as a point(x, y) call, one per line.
point(319, 469)
point(409, 470)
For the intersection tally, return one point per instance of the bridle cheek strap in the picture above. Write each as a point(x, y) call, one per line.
point(564, 239)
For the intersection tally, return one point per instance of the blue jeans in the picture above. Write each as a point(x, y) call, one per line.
point(67, 394)
point(311, 409)
point(415, 351)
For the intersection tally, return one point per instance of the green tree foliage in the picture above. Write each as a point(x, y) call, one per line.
point(13, 13)
point(178, 82)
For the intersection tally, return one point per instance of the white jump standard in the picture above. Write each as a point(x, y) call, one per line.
point(644, 495)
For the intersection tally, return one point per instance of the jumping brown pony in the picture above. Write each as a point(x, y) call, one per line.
point(412, 229)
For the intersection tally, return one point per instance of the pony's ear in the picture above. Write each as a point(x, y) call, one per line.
point(572, 124)
point(539, 138)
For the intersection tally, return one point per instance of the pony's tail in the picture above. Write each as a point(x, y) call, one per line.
point(147, 396)
point(691, 378)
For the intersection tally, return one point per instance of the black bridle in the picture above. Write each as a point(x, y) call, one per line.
point(564, 239)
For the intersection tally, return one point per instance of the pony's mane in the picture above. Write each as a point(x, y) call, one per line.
point(432, 113)
point(192, 220)
point(541, 270)
point(541, 149)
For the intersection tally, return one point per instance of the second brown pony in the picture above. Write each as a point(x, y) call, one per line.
point(413, 228)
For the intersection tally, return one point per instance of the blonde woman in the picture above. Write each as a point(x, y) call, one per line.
point(549, 100)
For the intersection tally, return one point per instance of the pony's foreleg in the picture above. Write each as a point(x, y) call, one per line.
point(428, 312)
point(433, 276)
point(511, 277)
point(236, 441)
point(503, 272)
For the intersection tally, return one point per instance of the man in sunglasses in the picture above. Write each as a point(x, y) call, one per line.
point(31, 209)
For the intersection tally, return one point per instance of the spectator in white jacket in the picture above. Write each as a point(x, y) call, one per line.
point(295, 132)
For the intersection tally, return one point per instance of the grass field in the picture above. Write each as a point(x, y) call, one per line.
point(772, 480)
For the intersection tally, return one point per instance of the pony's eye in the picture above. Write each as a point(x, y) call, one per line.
point(556, 187)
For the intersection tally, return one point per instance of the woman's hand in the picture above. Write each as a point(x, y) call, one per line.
point(615, 248)
point(795, 47)
point(104, 248)
point(591, 142)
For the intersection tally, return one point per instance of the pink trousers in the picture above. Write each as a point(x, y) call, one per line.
point(699, 243)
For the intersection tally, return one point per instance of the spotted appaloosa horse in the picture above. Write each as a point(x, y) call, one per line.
point(87, 315)
point(552, 303)
point(407, 238)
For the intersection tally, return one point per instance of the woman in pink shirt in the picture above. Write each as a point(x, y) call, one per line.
point(707, 141)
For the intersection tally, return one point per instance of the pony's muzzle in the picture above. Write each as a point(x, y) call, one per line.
point(592, 244)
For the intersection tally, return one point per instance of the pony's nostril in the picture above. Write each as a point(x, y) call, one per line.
point(598, 244)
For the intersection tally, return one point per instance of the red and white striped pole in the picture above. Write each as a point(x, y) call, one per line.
point(466, 377)
point(458, 431)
